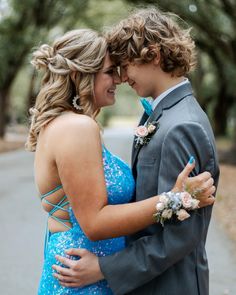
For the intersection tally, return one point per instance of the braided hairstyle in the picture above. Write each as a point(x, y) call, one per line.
point(70, 66)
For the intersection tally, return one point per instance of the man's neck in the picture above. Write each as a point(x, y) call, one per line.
point(165, 82)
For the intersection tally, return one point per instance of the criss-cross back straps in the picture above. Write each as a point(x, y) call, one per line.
point(59, 206)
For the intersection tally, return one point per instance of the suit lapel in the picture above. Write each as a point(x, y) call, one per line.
point(169, 101)
point(142, 121)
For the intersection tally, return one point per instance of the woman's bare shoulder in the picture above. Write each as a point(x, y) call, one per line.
point(70, 123)
point(75, 136)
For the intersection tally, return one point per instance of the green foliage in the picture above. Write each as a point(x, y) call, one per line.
point(104, 13)
point(26, 22)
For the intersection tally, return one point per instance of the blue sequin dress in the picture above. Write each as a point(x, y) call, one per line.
point(120, 188)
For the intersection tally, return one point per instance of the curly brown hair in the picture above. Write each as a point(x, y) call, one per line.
point(145, 33)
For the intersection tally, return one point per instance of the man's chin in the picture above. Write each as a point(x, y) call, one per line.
point(139, 93)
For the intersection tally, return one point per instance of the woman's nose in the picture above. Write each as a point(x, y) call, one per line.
point(117, 78)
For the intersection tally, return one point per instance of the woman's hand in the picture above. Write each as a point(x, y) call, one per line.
point(200, 187)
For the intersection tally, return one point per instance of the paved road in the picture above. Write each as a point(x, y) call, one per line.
point(22, 222)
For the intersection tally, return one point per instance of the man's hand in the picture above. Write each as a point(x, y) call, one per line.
point(79, 273)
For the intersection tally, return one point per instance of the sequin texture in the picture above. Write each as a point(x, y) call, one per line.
point(120, 188)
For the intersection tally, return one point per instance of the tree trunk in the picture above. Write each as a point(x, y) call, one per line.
point(31, 93)
point(220, 114)
point(220, 121)
point(234, 139)
point(3, 111)
point(197, 81)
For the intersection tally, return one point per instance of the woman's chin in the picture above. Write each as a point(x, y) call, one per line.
point(110, 103)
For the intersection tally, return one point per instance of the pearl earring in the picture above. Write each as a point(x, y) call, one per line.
point(76, 102)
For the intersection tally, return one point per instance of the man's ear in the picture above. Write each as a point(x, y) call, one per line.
point(157, 59)
point(155, 50)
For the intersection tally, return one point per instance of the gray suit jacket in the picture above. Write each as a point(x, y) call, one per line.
point(169, 260)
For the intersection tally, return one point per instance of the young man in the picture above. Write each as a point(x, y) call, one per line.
point(155, 55)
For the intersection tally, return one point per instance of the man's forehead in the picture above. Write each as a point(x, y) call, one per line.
point(124, 63)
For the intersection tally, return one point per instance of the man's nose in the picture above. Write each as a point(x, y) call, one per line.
point(123, 76)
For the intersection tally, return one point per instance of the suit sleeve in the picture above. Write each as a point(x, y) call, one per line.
point(150, 256)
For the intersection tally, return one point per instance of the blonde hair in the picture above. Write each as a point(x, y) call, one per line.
point(70, 66)
point(148, 31)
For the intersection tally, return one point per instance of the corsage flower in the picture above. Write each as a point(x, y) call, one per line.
point(174, 204)
point(144, 133)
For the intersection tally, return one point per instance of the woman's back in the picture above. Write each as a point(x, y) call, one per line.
point(47, 177)
point(64, 231)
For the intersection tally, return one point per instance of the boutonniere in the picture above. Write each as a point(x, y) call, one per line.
point(144, 133)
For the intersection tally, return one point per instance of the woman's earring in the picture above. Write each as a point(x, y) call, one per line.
point(75, 102)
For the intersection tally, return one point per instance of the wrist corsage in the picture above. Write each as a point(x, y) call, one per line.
point(172, 204)
point(144, 133)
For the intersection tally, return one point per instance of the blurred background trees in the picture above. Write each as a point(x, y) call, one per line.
point(26, 24)
point(22, 25)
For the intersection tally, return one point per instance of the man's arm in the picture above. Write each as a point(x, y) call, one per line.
point(150, 256)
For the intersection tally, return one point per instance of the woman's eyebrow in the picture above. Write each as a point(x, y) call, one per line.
point(111, 67)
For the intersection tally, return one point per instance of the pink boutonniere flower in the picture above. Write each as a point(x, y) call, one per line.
point(141, 131)
point(144, 133)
